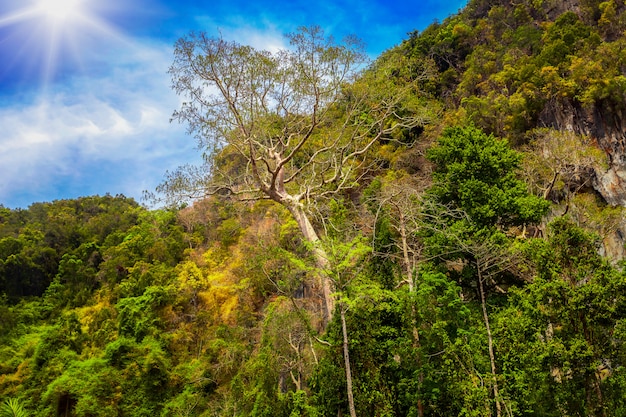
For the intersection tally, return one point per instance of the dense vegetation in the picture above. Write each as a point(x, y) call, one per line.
point(472, 264)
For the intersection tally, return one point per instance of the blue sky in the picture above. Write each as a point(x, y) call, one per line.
point(85, 98)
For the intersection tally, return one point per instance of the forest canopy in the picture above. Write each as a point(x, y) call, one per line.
point(438, 232)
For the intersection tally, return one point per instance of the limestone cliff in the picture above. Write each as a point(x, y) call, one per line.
point(606, 124)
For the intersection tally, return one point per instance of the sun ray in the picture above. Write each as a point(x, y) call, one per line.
point(17, 17)
point(56, 34)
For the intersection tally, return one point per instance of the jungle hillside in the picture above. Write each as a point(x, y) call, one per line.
point(439, 231)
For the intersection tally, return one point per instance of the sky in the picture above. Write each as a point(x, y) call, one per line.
point(85, 98)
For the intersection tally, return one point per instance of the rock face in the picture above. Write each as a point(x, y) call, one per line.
point(555, 8)
point(613, 245)
point(607, 125)
point(612, 186)
point(610, 130)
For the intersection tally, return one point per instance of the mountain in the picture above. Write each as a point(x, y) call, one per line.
point(475, 257)
point(522, 69)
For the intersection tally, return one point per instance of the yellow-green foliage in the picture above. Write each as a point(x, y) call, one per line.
point(559, 164)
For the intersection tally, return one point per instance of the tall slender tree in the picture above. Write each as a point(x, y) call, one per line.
point(477, 197)
point(293, 126)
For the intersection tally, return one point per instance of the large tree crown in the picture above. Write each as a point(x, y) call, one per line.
point(294, 124)
point(231, 87)
point(477, 173)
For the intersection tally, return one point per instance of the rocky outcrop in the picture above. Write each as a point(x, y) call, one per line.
point(604, 123)
point(611, 185)
point(555, 8)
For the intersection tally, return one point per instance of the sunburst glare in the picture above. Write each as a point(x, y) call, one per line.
point(59, 11)
point(51, 36)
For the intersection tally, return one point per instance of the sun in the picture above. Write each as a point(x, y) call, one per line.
point(46, 40)
point(59, 11)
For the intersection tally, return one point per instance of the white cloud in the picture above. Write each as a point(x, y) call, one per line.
point(260, 34)
point(109, 133)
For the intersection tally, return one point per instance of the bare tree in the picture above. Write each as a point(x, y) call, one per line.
point(401, 200)
point(292, 126)
point(345, 264)
point(559, 164)
point(492, 258)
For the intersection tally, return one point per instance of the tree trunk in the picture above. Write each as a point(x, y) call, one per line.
point(346, 357)
point(408, 267)
point(492, 356)
point(416, 344)
point(321, 259)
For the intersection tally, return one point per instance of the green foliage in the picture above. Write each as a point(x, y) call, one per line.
point(381, 267)
point(33, 242)
point(563, 339)
point(450, 339)
point(526, 62)
point(138, 316)
point(86, 388)
point(107, 308)
point(375, 334)
point(476, 173)
point(475, 199)
point(65, 335)
point(375, 324)
point(12, 408)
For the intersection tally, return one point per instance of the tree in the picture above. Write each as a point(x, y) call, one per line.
point(396, 203)
point(344, 264)
point(559, 164)
point(357, 375)
point(475, 198)
point(293, 126)
point(560, 336)
point(477, 173)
